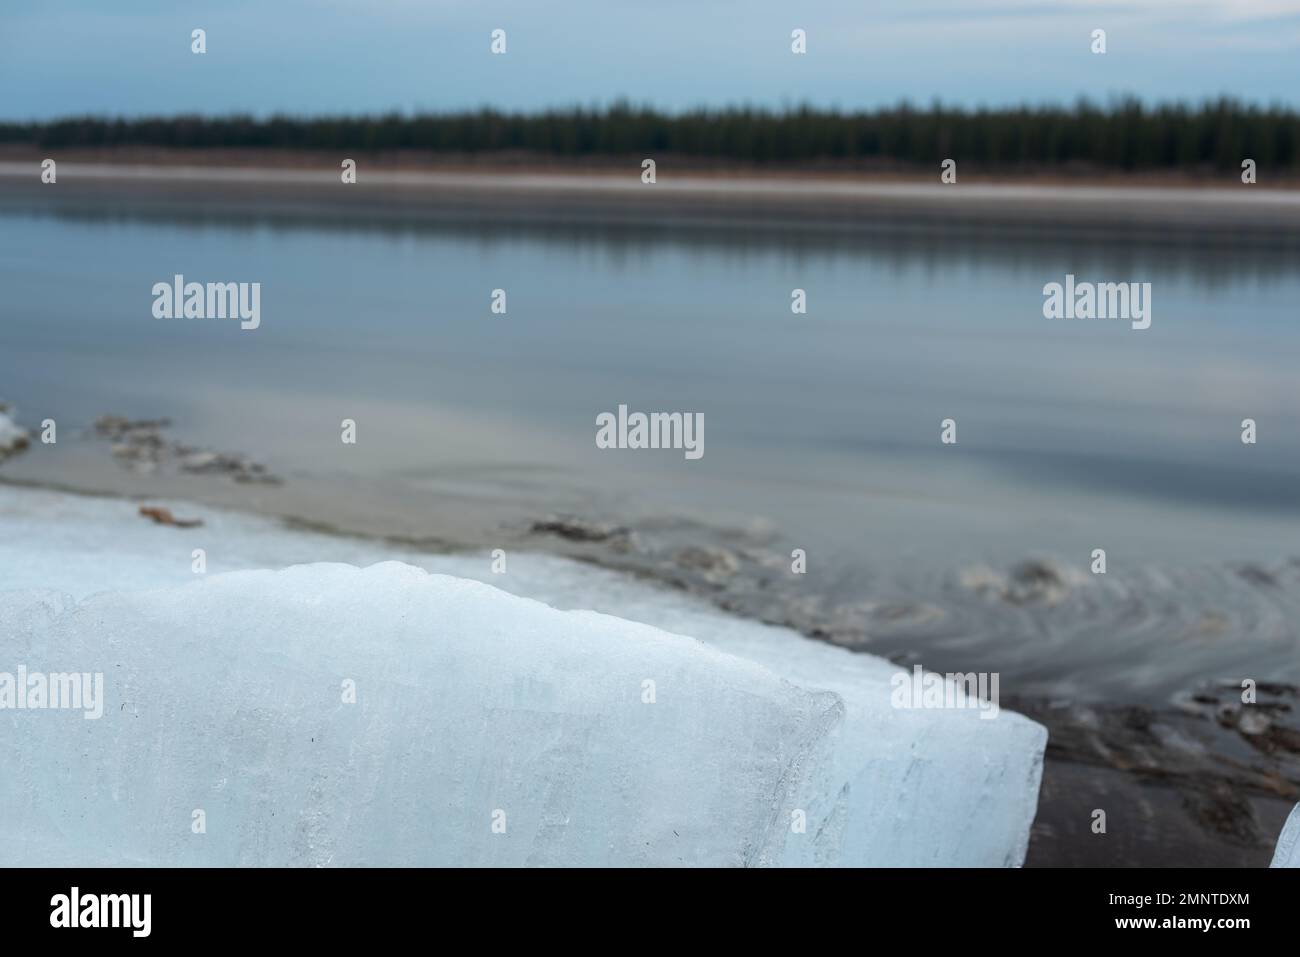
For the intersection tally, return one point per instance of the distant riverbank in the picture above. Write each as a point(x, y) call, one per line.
point(309, 185)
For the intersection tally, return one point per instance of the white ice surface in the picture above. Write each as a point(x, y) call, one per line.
point(469, 701)
point(1287, 853)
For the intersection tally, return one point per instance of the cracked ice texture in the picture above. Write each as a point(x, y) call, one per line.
point(469, 700)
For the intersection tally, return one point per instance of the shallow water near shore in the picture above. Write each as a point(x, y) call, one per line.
point(822, 433)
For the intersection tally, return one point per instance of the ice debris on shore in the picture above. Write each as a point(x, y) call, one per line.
point(585, 531)
point(141, 445)
point(752, 745)
point(13, 438)
point(1033, 582)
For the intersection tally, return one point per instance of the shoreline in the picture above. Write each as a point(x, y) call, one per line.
point(693, 198)
point(520, 162)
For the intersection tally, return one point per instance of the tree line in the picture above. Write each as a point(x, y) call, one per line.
point(1124, 135)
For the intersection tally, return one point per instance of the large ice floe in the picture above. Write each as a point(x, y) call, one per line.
point(403, 713)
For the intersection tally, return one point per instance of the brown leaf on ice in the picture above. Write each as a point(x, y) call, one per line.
point(163, 516)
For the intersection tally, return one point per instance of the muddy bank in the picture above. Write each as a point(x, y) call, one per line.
point(1225, 215)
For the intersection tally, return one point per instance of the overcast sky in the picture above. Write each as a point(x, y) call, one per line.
point(132, 57)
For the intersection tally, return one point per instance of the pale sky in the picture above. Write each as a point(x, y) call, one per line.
point(132, 57)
